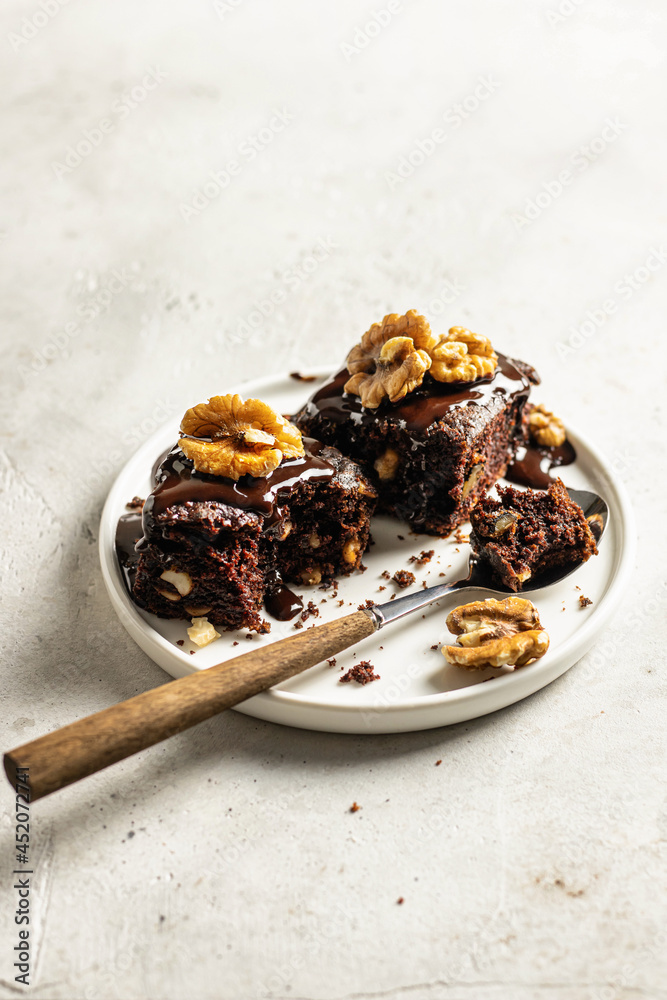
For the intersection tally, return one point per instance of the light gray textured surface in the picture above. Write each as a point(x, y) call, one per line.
point(532, 860)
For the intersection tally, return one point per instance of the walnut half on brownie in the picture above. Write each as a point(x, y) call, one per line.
point(434, 421)
point(240, 504)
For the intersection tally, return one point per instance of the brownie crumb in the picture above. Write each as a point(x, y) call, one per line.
point(386, 575)
point(192, 652)
point(400, 900)
point(362, 673)
point(584, 601)
point(298, 624)
point(136, 503)
point(393, 597)
point(461, 537)
point(362, 568)
point(340, 603)
point(355, 807)
point(401, 538)
point(438, 762)
point(298, 377)
point(404, 578)
point(235, 643)
point(424, 586)
point(367, 604)
point(332, 661)
point(180, 642)
point(382, 587)
point(311, 609)
point(264, 627)
point(423, 557)
point(435, 645)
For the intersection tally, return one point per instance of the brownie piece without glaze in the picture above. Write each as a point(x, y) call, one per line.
point(527, 532)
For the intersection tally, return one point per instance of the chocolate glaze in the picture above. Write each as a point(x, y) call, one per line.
point(128, 532)
point(430, 402)
point(156, 465)
point(178, 482)
point(279, 600)
point(533, 463)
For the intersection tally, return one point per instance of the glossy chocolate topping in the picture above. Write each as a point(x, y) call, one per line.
point(279, 600)
point(533, 463)
point(422, 407)
point(178, 482)
point(128, 532)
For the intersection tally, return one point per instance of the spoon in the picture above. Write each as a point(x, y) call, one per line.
point(66, 755)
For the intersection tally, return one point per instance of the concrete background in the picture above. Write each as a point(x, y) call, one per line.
point(225, 863)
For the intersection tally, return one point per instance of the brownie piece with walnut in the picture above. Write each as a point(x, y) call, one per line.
point(527, 532)
point(433, 421)
point(219, 546)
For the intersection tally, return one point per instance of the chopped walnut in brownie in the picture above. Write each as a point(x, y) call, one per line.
point(404, 578)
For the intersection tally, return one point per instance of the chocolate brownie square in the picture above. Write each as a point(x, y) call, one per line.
point(432, 453)
point(220, 548)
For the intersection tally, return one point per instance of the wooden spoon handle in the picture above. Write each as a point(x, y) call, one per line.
point(91, 744)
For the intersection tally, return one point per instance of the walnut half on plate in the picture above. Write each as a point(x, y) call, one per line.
point(495, 634)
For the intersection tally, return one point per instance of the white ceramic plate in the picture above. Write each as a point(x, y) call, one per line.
point(417, 689)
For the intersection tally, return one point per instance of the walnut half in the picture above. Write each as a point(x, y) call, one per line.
point(399, 369)
point(227, 436)
point(545, 428)
point(462, 356)
point(495, 634)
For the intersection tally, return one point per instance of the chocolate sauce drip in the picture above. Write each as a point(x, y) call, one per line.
point(178, 482)
point(420, 408)
point(156, 466)
point(279, 600)
point(128, 532)
point(533, 463)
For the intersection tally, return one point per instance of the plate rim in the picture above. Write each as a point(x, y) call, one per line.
point(540, 674)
